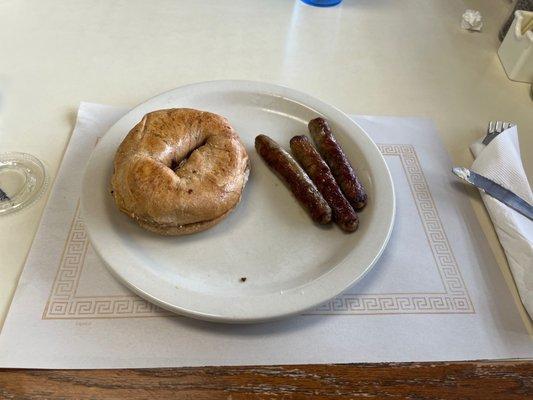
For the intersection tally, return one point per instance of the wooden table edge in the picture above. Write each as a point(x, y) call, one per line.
point(487, 379)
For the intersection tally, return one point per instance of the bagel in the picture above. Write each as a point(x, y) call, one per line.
point(179, 171)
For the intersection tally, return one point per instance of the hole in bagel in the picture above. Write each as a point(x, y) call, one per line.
point(176, 163)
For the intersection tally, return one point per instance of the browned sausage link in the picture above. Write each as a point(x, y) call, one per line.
point(319, 172)
point(299, 183)
point(340, 166)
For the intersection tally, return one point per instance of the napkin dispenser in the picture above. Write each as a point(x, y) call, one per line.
point(516, 50)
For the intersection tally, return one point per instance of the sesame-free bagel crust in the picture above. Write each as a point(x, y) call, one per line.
point(179, 171)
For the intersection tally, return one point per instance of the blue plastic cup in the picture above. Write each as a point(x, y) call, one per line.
point(322, 3)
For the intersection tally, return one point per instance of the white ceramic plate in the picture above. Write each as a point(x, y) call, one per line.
point(290, 264)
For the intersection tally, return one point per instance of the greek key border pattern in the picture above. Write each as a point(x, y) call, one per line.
point(63, 303)
point(455, 298)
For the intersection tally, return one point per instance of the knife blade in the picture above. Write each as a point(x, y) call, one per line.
point(495, 190)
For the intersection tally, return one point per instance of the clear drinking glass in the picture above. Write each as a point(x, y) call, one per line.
point(23, 179)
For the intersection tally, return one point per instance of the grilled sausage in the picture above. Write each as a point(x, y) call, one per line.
point(340, 166)
point(319, 172)
point(294, 176)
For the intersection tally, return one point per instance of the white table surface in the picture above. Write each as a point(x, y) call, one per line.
point(365, 57)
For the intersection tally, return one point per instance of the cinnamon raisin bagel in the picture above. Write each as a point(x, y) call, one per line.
point(179, 171)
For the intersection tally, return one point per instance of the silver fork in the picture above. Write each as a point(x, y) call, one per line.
point(495, 128)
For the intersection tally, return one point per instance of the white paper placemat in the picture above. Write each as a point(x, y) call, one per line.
point(436, 293)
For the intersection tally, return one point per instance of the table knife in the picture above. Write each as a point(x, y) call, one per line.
point(495, 190)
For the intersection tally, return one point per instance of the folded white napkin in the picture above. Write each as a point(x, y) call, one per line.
point(501, 162)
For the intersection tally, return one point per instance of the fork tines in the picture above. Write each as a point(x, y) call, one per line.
point(495, 128)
